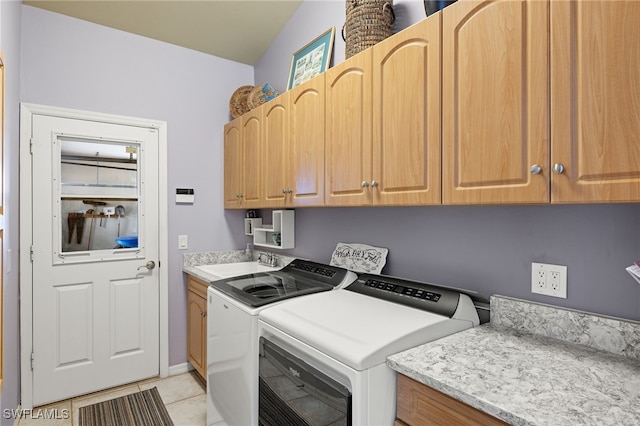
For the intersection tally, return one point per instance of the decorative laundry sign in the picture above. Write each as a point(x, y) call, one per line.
point(359, 257)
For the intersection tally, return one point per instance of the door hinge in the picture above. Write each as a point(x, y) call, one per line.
point(31, 253)
point(32, 360)
point(31, 146)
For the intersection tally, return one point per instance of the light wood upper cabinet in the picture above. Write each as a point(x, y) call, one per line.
point(348, 144)
point(293, 158)
point(406, 116)
point(383, 122)
point(242, 150)
point(275, 158)
point(595, 101)
point(233, 178)
point(487, 102)
point(305, 181)
point(495, 102)
point(252, 146)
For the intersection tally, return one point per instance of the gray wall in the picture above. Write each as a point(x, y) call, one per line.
point(489, 249)
point(10, 45)
point(75, 64)
point(485, 248)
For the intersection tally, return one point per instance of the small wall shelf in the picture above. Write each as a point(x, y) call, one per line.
point(283, 224)
point(250, 224)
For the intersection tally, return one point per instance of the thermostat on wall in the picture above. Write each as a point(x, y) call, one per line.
point(185, 195)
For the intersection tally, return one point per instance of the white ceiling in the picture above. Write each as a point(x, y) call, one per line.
point(239, 30)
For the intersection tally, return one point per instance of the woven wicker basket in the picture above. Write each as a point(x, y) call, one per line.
point(261, 94)
point(238, 102)
point(368, 22)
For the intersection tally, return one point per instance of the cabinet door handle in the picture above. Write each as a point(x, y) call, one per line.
point(364, 184)
point(535, 169)
point(203, 314)
point(558, 168)
point(374, 183)
point(284, 191)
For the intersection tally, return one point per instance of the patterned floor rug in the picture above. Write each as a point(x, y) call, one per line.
point(143, 408)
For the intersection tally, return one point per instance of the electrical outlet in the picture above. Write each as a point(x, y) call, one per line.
point(538, 278)
point(554, 280)
point(550, 280)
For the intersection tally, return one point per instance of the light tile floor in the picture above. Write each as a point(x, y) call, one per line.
point(184, 395)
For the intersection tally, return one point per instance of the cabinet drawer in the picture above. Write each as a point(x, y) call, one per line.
point(197, 286)
point(421, 405)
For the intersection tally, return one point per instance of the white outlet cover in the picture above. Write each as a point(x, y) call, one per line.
point(548, 279)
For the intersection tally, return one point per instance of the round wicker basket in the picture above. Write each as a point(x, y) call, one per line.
point(261, 94)
point(368, 22)
point(238, 102)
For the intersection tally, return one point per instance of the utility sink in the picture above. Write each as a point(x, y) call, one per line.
point(226, 270)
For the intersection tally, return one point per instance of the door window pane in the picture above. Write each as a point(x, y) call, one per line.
point(98, 195)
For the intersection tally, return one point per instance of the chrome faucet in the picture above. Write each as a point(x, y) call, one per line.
point(268, 259)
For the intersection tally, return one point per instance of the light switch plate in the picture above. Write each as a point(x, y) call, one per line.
point(183, 242)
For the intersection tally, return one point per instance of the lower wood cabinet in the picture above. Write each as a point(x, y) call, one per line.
point(418, 404)
point(197, 325)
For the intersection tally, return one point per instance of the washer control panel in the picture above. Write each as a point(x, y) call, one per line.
point(425, 296)
point(418, 293)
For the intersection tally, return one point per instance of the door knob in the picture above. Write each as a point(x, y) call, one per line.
point(558, 168)
point(149, 265)
point(535, 169)
point(374, 183)
point(364, 184)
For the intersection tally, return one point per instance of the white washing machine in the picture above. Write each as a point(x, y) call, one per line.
point(323, 357)
point(232, 332)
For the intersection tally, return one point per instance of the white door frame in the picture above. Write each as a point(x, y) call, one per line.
point(27, 111)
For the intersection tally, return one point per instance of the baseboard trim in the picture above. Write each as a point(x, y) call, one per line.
point(180, 368)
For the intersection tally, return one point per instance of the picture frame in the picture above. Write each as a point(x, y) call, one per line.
point(312, 59)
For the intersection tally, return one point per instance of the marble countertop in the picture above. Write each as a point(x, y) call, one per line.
point(218, 271)
point(526, 378)
point(243, 261)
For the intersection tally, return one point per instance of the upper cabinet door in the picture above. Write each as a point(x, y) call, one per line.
point(275, 122)
point(406, 116)
point(233, 183)
point(495, 99)
point(305, 184)
point(252, 138)
point(348, 132)
point(595, 100)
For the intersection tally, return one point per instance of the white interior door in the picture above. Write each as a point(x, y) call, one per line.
point(95, 290)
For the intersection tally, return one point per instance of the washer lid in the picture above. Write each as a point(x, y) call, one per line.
point(298, 278)
point(358, 330)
